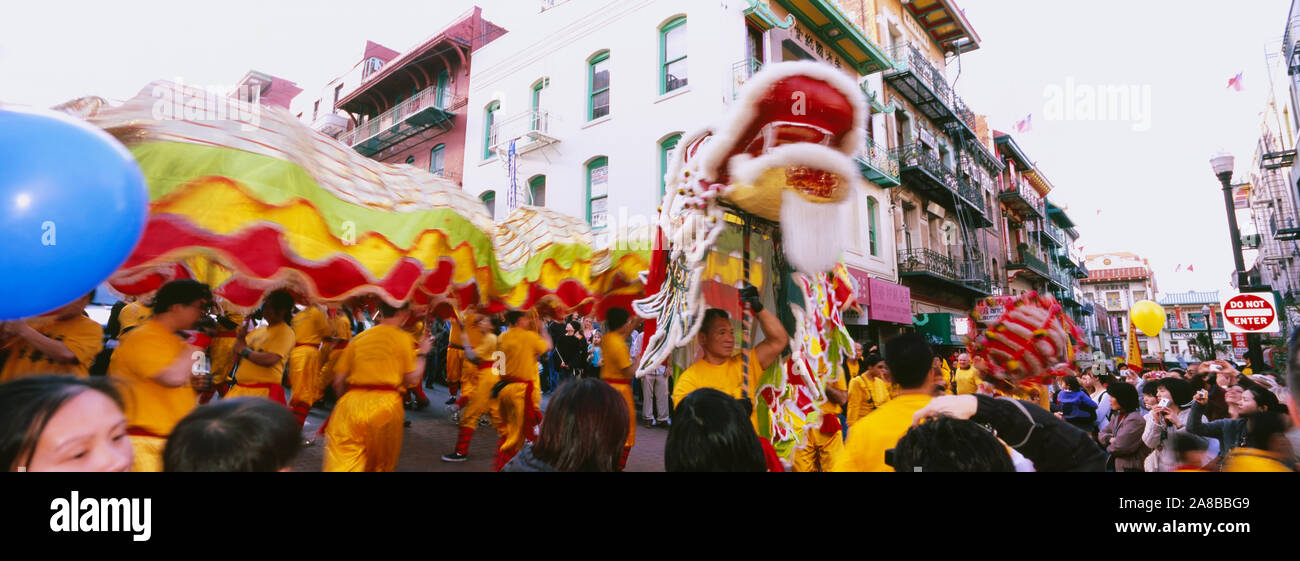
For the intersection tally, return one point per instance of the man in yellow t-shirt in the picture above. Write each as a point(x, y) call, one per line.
point(618, 370)
point(455, 359)
point(719, 367)
point(520, 392)
point(478, 377)
point(364, 432)
point(966, 380)
point(61, 342)
point(155, 367)
point(910, 359)
point(310, 328)
point(263, 352)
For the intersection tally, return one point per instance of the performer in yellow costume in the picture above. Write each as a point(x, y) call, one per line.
point(155, 368)
point(133, 315)
point(966, 379)
point(340, 320)
point(869, 390)
point(364, 432)
point(263, 352)
point(825, 443)
point(310, 328)
point(455, 359)
point(477, 380)
point(520, 392)
point(221, 353)
point(910, 359)
point(415, 395)
point(61, 342)
point(618, 369)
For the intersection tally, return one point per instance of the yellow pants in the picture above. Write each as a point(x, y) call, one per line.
point(222, 358)
point(455, 361)
point(820, 454)
point(327, 370)
point(480, 401)
point(512, 407)
point(304, 375)
point(365, 432)
point(148, 453)
point(626, 391)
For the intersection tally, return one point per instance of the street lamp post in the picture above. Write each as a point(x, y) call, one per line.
point(1209, 334)
point(1223, 164)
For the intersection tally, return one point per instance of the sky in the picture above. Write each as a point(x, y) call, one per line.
point(1156, 192)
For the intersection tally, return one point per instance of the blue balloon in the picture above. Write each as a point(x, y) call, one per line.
point(73, 205)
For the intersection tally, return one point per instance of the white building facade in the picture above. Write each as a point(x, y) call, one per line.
point(595, 94)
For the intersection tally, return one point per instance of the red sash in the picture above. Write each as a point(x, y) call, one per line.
point(830, 424)
point(367, 387)
point(137, 431)
point(340, 345)
point(277, 391)
point(532, 417)
point(623, 382)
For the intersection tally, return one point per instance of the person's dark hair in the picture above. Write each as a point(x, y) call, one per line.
point(1179, 390)
point(1072, 383)
point(513, 317)
point(1264, 399)
point(1106, 379)
point(114, 327)
point(711, 315)
point(184, 292)
point(1200, 380)
point(909, 357)
point(585, 428)
point(1184, 442)
point(26, 406)
point(616, 318)
point(873, 360)
point(1126, 395)
point(944, 444)
point(1262, 428)
point(282, 302)
point(711, 432)
point(247, 434)
point(1150, 388)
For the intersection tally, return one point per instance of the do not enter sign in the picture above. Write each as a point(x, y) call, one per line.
point(1251, 313)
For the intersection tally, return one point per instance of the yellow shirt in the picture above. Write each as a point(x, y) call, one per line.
point(342, 327)
point(80, 334)
point(379, 356)
point(143, 354)
point(310, 326)
point(967, 381)
point(830, 408)
point(278, 340)
point(522, 347)
point(865, 395)
point(133, 315)
point(1254, 461)
point(614, 351)
point(725, 377)
point(870, 437)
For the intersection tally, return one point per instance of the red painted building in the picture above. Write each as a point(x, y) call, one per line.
point(408, 108)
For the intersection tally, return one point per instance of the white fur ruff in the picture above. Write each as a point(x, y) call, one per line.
point(813, 233)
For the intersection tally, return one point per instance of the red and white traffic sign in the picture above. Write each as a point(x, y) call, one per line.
point(1251, 313)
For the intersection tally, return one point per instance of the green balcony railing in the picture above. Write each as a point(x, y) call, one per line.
point(880, 165)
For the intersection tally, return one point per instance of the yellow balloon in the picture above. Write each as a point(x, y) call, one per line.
point(1149, 317)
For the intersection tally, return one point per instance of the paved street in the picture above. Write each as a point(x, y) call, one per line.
point(432, 434)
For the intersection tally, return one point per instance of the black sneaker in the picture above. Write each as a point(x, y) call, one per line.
point(455, 457)
point(451, 400)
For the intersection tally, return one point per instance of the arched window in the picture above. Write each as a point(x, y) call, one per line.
point(410, 160)
point(666, 150)
point(489, 199)
point(873, 221)
point(598, 82)
point(489, 129)
point(672, 55)
point(537, 188)
point(438, 159)
point(539, 104)
point(598, 193)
